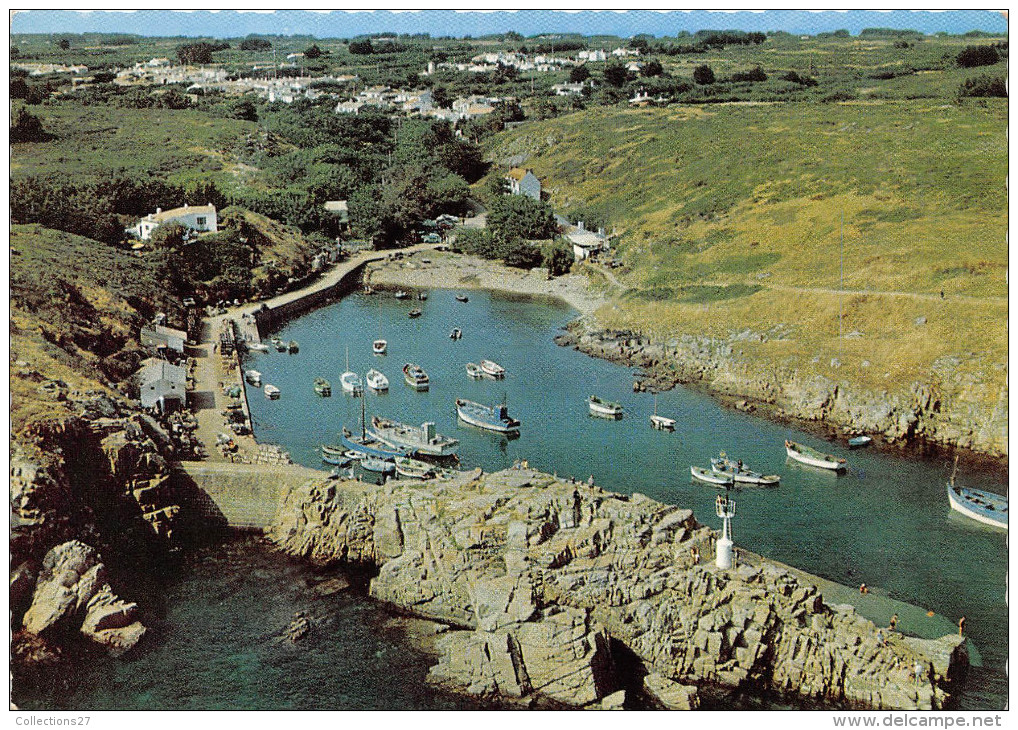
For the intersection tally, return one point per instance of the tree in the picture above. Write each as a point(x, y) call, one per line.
point(64, 44)
point(27, 127)
point(169, 235)
point(522, 255)
point(361, 48)
point(755, 74)
point(978, 56)
point(312, 52)
point(512, 37)
point(255, 44)
point(244, 109)
point(653, 67)
point(497, 186)
point(703, 75)
point(984, 86)
point(518, 216)
point(558, 260)
point(200, 53)
point(615, 74)
point(579, 74)
point(440, 95)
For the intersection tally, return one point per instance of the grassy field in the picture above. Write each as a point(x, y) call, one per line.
point(729, 218)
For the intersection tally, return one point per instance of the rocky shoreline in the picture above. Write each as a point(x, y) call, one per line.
point(547, 585)
point(924, 415)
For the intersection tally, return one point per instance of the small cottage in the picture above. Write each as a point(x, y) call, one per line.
point(200, 218)
point(162, 386)
point(524, 182)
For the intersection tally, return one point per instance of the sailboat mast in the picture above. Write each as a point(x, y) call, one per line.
point(364, 428)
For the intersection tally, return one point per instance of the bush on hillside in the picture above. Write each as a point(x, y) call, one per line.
point(703, 75)
point(974, 56)
point(993, 86)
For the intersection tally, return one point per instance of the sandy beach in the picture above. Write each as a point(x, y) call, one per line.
point(435, 269)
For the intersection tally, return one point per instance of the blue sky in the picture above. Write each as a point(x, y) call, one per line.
point(232, 24)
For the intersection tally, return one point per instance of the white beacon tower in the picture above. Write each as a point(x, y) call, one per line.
point(725, 549)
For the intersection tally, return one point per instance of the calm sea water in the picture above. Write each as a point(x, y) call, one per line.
point(886, 522)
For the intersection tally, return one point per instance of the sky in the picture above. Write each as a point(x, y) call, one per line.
point(346, 24)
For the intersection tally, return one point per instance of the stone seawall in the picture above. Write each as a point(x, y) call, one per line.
point(936, 414)
point(272, 315)
point(541, 578)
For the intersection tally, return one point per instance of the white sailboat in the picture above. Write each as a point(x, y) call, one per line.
point(660, 422)
point(379, 346)
point(350, 380)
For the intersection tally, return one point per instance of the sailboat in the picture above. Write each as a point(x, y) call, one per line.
point(660, 422)
point(350, 380)
point(379, 346)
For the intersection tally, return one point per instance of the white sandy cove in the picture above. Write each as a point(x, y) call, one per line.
point(459, 271)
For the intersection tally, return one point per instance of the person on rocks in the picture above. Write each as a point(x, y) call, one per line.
point(894, 622)
point(880, 637)
point(863, 588)
point(961, 626)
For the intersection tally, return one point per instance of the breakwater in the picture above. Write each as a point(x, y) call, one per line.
point(544, 581)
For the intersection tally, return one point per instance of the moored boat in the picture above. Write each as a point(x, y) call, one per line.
point(474, 371)
point(857, 442)
point(421, 439)
point(812, 457)
point(604, 408)
point(422, 296)
point(278, 344)
point(414, 469)
point(376, 380)
point(334, 455)
point(980, 505)
point(491, 418)
point(400, 294)
point(293, 347)
point(415, 377)
point(461, 297)
point(351, 383)
point(368, 446)
point(709, 477)
point(254, 377)
point(271, 392)
point(379, 347)
point(414, 313)
point(258, 347)
point(492, 369)
point(323, 387)
point(723, 466)
point(661, 423)
point(456, 333)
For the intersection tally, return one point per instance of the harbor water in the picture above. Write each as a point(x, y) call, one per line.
point(886, 522)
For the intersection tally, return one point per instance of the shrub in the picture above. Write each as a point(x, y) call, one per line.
point(756, 74)
point(703, 75)
point(984, 86)
point(978, 56)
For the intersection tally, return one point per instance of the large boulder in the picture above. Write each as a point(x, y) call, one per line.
point(112, 622)
point(670, 695)
point(71, 574)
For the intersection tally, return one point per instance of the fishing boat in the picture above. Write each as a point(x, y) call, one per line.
point(323, 387)
point(412, 439)
point(375, 470)
point(278, 344)
point(808, 455)
point(491, 418)
point(271, 392)
point(258, 347)
point(858, 442)
point(367, 446)
point(400, 294)
point(709, 477)
point(376, 380)
point(415, 377)
point(980, 505)
point(474, 371)
point(414, 313)
point(414, 469)
point(254, 377)
point(492, 369)
point(461, 298)
point(660, 422)
point(293, 347)
point(723, 466)
point(379, 347)
point(422, 296)
point(603, 408)
point(456, 333)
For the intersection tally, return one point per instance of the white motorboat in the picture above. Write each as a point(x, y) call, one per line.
point(376, 380)
point(492, 369)
point(352, 383)
point(271, 392)
point(604, 408)
point(474, 371)
point(379, 347)
point(807, 455)
point(254, 377)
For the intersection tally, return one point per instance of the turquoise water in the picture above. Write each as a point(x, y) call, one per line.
point(886, 522)
point(214, 645)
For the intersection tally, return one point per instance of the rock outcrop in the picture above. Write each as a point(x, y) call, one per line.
point(966, 414)
point(541, 577)
point(72, 593)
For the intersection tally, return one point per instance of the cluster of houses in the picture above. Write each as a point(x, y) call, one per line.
point(162, 381)
point(419, 102)
point(539, 62)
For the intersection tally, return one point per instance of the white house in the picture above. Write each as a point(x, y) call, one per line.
point(586, 243)
point(201, 218)
point(567, 89)
point(162, 385)
point(524, 182)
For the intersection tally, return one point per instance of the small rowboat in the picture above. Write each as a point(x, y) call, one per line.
point(492, 369)
point(474, 371)
point(456, 333)
point(334, 455)
point(323, 387)
point(977, 504)
point(254, 377)
point(604, 408)
point(271, 392)
point(709, 477)
point(379, 347)
point(258, 347)
point(810, 456)
point(414, 313)
point(857, 442)
point(293, 347)
point(461, 297)
point(400, 294)
point(413, 469)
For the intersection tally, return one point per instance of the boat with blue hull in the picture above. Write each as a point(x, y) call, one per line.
point(368, 446)
point(978, 504)
point(490, 418)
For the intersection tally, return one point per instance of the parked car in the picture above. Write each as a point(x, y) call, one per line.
point(431, 238)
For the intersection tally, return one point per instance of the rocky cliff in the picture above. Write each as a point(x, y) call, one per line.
point(931, 411)
point(544, 581)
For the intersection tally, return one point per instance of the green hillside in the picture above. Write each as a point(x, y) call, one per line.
point(729, 219)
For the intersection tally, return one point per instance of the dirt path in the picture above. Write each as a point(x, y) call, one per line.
point(901, 294)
